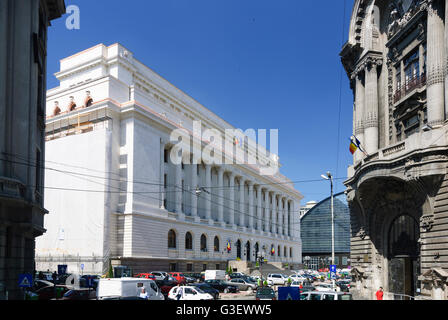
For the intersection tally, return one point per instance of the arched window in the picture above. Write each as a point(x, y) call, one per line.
point(188, 241)
point(172, 239)
point(216, 244)
point(403, 237)
point(203, 243)
point(278, 251)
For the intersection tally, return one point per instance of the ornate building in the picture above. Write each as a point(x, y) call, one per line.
point(116, 192)
point(23, 38)
point(396, 59)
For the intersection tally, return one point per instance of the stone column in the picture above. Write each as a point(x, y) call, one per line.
point(194, 186)
point(259, 209)
point(207, 196)
point(285, 221)
point(359, 113)
point(178, 187)
point(435, 66)
point(266, 211)
point(251, 204)
point(221, 195)
point(232, 199)
point(241, 209)
point(162, 175)
point(274, 214)
point(370, 120)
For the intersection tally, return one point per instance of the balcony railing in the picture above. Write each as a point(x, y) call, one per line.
point(414, 83)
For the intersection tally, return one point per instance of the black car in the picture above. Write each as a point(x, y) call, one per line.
point(221, 286)
point(80, 294)
point(344, 285)
point(207, 289)
point(265, 293)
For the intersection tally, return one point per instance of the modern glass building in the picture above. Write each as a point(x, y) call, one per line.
point(316, 234)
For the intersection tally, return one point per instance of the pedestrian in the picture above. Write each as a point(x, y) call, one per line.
point(144, 294)
point(379, 294)
point(179, 292)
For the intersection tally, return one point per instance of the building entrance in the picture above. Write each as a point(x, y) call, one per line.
point(404, 264)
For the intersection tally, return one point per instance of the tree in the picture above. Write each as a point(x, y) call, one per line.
point(110, 273)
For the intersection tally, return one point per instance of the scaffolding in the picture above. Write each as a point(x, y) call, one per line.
point(79, 122)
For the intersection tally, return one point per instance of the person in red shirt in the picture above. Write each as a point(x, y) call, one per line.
point(379, 294)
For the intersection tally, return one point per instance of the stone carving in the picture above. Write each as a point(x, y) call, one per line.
point(401, 12)
point(427, 222)
point(362, 233)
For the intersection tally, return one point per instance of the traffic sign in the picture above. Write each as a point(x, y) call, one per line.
point(288, 293)
point(333, 268)
point(82, 266)
point(25, 280)
point(62, 269)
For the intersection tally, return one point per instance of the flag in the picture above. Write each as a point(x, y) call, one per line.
point(353, 147)
point(357, 144)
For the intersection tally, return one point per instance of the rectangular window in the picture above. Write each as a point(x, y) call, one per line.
point(336, 260)
point(165, 155)
point(165, 181)
point(344, 261)
point(204, 267)
point(218, 266)
point(189, 267)
point(173, 267)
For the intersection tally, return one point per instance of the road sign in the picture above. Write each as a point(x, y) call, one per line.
point(82, 266)
point(333, 268)
point(288, 293)
point(25, 280)
point(62, 269)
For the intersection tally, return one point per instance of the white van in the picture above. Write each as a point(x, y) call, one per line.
point(111, 288)
point(215, 275)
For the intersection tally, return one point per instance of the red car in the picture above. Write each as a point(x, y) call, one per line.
point(146, 276)
point(180, 278)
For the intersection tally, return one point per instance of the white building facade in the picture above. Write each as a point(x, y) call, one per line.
point(117, 191)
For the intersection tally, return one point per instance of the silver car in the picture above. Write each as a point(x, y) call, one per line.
point(242, 284)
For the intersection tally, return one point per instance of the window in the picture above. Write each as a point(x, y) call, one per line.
point(204, 267)
point(188, 241)
point(173, 267)
point(328, 297)
point(165, 155)
point(216, 244)
point(165, 181)
point(218, 267)
point(344, 261)
point(278, 251)
point(203, 243)
point(284, 252)
point(172, 239)
point(290, 252)
point(411, 68)
point(189, 267)
point(336, 260)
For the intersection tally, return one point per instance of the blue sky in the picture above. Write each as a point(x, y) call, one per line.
point(257, 64)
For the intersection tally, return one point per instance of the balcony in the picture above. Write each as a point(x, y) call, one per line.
point(413, 84)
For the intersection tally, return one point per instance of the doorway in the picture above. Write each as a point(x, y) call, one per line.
point(404, 262)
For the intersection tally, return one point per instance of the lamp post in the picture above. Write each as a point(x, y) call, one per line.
point(330, 177)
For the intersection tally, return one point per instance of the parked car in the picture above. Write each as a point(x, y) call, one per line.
point(85, 280)
point(265, 293)
point(51, 292)
point(236, 275)
point(160, 275)
point(80, 294)
point(189, 293)
point(276, 279)
point(165, 286)
point(145, 275)
point(344, 285)
point(196, 276)
point(296, 277)
point(38, 284)
point(325, 287)
point(327, 295)
point(222, 286)
point(242, 284)
point(207, 289)
point(180, 278)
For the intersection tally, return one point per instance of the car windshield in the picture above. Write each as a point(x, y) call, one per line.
point(265, 292)
point(199, 290)
point(345, 297)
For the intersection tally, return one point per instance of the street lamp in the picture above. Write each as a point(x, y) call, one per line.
point(330, 177)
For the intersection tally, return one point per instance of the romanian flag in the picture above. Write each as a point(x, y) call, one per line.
point(229, 248)
point(353, 147)
point(272, 251)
